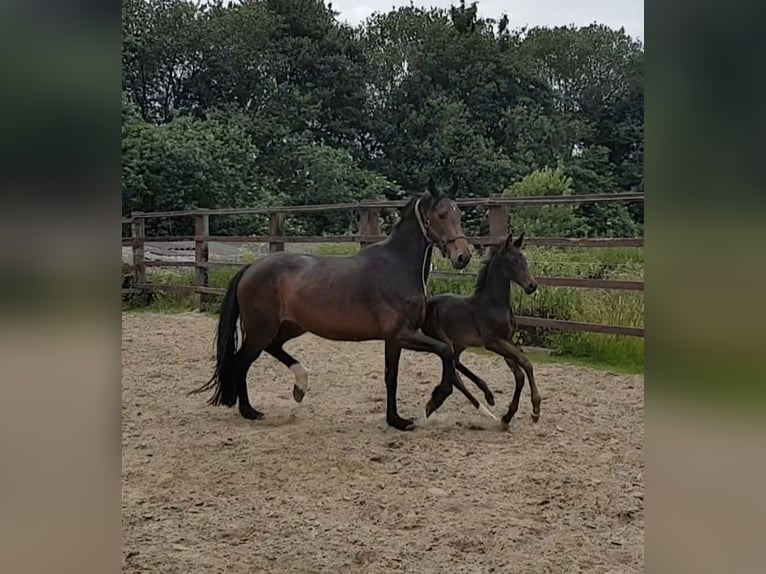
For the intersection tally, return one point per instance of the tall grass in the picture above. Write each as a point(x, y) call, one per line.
point(612, 307)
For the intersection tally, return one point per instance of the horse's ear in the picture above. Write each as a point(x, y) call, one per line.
point(519, 240)
point(453, 188)
point(432, 187)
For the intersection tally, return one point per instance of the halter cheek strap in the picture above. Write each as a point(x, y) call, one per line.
point(425, 229)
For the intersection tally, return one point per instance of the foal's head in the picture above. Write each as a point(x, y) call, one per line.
point(514, 263)
point(440, 218)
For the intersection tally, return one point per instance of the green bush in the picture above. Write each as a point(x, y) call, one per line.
point(546, 220)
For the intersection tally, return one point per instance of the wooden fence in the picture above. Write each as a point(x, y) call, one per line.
point(369, 232)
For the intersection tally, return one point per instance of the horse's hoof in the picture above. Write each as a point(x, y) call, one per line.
point(490, 399)
point(535, 417)
point(504, 425)
point(430, 408)
point(400, 423)
point(298, 393)
point(251, 414)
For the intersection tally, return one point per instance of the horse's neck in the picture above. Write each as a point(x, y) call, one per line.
point(496, 291)
point(408, 243)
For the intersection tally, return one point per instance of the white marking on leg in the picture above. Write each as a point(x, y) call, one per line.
point(486, 412)
point(301, 377)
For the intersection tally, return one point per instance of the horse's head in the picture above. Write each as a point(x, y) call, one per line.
point(439, 219)
point(515, 263)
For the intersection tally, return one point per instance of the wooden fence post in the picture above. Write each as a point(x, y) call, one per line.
point(201, 257)
point(276, 227)
point(369, 225)
point(138, 233)
point(498, 220)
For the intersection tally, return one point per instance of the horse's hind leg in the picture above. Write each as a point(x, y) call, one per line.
point(459, 385)
point(301, 385)
point(242, 361)
point(286, 332)
point(478, 381)
point(259, 336)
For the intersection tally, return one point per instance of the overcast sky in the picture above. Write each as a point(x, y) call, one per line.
point(614, 13)
point(628, 14)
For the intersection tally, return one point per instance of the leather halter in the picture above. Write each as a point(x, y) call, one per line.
point(425, 229)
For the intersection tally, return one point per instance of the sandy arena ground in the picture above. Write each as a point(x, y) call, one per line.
point(330, 488)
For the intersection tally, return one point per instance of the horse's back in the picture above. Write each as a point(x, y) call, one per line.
point(333, 297)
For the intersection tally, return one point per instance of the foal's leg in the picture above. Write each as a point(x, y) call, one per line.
point(518, 375)
point(483, 386)
point(509, 351)
point(476, 404)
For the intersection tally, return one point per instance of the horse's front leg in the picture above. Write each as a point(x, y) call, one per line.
point(509, 351)
point(417, 341)
point(393, 353)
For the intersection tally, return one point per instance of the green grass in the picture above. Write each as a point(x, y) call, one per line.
point(626, 308)
point(601, 365)
point(566, 359)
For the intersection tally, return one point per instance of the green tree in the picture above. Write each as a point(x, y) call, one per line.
point(592, 172)
point(278, 101)
point(158, 54)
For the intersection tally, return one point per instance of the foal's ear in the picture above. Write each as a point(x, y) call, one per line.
point(508, 241)
point(519, 240)
point(432, 187)
point(453, 188)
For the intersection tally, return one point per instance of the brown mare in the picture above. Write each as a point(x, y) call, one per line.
point(485, 319)
point(376, 294)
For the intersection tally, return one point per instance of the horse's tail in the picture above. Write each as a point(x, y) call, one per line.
point(222, 382)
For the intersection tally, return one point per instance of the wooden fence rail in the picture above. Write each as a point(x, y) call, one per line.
point(276, 242)
point(369, 232)
point(485, 202)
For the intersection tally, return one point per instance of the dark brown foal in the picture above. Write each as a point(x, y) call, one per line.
point(485, 319)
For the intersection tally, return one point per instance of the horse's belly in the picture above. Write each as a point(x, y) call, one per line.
point(338, 324)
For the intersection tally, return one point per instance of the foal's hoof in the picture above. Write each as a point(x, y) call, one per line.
point(298, 393)
point(251, 414)
point(430, 408)
point(400, 423)
point(535, 417)
point(490, 398)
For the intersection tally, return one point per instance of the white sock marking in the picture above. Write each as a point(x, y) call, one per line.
point(301, 377)
point(486, 412)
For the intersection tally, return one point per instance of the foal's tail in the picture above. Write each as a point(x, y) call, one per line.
point(222, 382)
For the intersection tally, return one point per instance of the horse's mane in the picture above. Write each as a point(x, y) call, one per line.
point(481, 277)
point(409, 208)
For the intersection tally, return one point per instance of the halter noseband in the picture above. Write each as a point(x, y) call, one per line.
point(425, 229)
